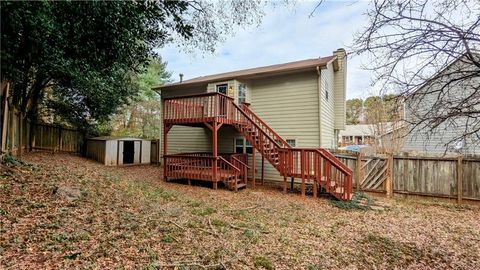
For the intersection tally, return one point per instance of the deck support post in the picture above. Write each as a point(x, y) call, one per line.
point(254, 162)
point(215, 153)
point(263, 170)
point(315, 188)
point(166, 129)
point(302, 170)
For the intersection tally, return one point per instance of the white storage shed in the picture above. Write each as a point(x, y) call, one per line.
point(113, 151)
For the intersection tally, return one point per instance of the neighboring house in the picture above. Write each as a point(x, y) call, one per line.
point(383, 137)
point(426, 103)
point(357, 134)
point(302, 101)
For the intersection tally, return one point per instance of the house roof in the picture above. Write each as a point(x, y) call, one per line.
point(252, 72)
point(357, 130)
point(383, 128)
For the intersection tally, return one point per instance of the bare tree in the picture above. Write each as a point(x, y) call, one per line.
point(427, 53)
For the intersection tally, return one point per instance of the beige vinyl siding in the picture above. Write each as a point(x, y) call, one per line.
point(340, 92)
point(327, 107)
point(226, 137)
point(186, 139)
point(212, 86)
point(289, 104)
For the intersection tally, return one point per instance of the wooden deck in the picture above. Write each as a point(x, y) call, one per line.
point(231, 169)
point(205, 174)
point(214, 110)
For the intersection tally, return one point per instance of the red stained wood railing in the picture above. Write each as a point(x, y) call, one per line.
point(200, 166)
point(313, 165)
point(200, 108)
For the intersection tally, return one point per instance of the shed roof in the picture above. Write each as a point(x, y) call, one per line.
point(110, 138)
point(252, 72)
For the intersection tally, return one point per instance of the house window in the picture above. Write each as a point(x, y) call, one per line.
point(222, 88)
point(242, 93)
point(239, 145)
point(243, 146)
point(292, 142)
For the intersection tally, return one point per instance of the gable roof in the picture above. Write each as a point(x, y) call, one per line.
point(252, 72)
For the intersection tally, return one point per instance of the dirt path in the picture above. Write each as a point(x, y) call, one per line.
point(126, 217)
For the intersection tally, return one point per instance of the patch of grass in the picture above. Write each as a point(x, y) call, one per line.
point(219, 223)
point(356, 203)
point(194, 203)
point(204, 211)
point(384, 248)
point(260, 261)
point(167, 238)
point(72, 256)
point(111, 177)
point(37, 205)
point(10, 160)
point(160, 193)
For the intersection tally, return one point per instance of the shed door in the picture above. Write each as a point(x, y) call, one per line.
point(120, 153)
point(138, 150)
point(128, 152)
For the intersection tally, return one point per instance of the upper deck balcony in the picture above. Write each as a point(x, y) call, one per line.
point(195, 110)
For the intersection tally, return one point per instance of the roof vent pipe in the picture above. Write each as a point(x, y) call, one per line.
point(181, 77)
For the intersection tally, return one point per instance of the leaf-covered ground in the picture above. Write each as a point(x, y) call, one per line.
point(128, 218)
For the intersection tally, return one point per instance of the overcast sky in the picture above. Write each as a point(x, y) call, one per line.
point(286, 34)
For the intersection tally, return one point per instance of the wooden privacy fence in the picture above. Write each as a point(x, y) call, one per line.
point(442, 177)
point(19, 135)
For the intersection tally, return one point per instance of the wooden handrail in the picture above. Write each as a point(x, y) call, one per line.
point(198, 95)
point(330, 157)
point(238, 160)
point(228, 163)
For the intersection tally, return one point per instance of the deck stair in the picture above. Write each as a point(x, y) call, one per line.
point(315, 166)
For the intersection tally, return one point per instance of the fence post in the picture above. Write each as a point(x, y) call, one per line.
point(5, 117)
point(11, 131)
point(60, 141)
point(389, 180)
point(459, 179)
point(20, 135)
point(359, 175)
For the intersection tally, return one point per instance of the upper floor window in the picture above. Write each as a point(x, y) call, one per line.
point(222, 88)
point(242, 93)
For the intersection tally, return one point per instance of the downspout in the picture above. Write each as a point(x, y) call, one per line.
point(319, 84)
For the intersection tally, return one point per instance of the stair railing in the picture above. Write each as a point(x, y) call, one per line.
point(225, 170)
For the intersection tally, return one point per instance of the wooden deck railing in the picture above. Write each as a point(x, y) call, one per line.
point(313, 165)
point(198, 108)
point(316, 164)
point(227, 168)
